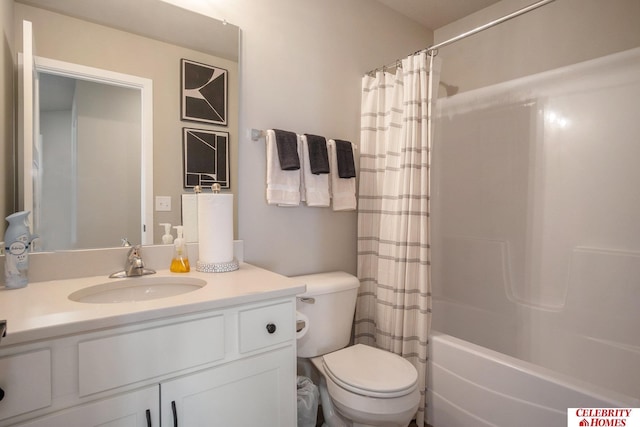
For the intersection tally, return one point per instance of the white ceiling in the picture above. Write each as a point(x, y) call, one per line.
point(434, 14)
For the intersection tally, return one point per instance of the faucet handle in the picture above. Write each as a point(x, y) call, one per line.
point(134, 266)
point(134, 253)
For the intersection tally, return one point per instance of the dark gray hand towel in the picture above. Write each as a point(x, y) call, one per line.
point(344, 157)
point(318, 155)
point(287, 145)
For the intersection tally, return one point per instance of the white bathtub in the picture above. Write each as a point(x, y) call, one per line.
point(470, 385)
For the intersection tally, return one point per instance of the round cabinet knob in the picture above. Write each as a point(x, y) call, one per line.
point(271, 328)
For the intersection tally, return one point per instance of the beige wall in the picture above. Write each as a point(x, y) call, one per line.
point(6, 113)
point(302, 64)
point(71, 40)
point(561, 33)
point(301, 68)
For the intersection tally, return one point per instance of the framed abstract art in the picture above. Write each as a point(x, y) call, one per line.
point(205, 157)
point(204, 93)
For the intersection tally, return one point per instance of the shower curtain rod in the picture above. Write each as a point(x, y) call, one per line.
point(433, 49)
point(488, 25)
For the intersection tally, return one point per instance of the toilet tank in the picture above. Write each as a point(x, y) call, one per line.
point(329, 305)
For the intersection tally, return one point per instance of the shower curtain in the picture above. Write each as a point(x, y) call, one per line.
point(393, 310)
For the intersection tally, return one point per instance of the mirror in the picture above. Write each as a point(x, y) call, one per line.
point(148, 40)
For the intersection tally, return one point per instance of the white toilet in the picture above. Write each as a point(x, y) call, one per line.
point(359, 385)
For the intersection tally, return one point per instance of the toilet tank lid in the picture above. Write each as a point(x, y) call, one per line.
point(324, 283)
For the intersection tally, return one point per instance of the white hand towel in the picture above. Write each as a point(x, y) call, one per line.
point(316, 187)
point(343, 190)
point(283, 187)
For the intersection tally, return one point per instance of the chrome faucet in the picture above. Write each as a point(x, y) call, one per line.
point(134, 265)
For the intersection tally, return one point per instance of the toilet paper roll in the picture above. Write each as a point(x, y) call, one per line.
point(303, 322)
point(215, 228)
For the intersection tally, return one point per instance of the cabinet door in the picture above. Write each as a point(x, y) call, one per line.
point(134, 409)
point(257, 391)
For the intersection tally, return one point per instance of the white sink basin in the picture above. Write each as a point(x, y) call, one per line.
point(137, 289)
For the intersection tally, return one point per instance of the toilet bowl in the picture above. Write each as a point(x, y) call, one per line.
point(360, 386)
point(370, 387)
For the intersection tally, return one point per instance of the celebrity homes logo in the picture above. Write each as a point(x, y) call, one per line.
point(603, 417)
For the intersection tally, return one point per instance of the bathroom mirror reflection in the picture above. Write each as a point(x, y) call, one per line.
point(88, 158)
point(148, 40)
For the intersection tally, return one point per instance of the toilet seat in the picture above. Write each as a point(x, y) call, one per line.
point(370, 371)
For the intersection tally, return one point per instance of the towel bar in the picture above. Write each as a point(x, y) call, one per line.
point(256, 134)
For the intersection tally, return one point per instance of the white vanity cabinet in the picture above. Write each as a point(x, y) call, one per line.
point(251, 392)
point(133, 409)
point(232, 366)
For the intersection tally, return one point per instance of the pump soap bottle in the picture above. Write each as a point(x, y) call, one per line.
point(180, 261)
point(167, 237)
point(17, 239)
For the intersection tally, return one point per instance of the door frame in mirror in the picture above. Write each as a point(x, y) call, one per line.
point(145, 86)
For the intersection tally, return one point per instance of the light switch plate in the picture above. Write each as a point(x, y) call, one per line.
point(163, 203)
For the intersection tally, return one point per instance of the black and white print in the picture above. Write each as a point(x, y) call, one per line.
point(206, 158)
point(204, 93)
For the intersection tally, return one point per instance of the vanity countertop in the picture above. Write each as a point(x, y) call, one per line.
point(42, 310)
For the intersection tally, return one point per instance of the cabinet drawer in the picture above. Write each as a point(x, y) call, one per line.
point(26, 381)
point(264, 326)
point(118, 360)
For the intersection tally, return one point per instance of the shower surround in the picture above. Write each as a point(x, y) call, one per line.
point(536, 238)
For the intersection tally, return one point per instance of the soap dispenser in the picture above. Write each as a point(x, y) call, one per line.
point(167, 237)
point(180, 261)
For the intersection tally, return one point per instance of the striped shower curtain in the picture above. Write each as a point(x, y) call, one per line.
point(394, 301)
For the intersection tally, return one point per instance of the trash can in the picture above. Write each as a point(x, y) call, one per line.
point(307, 402)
